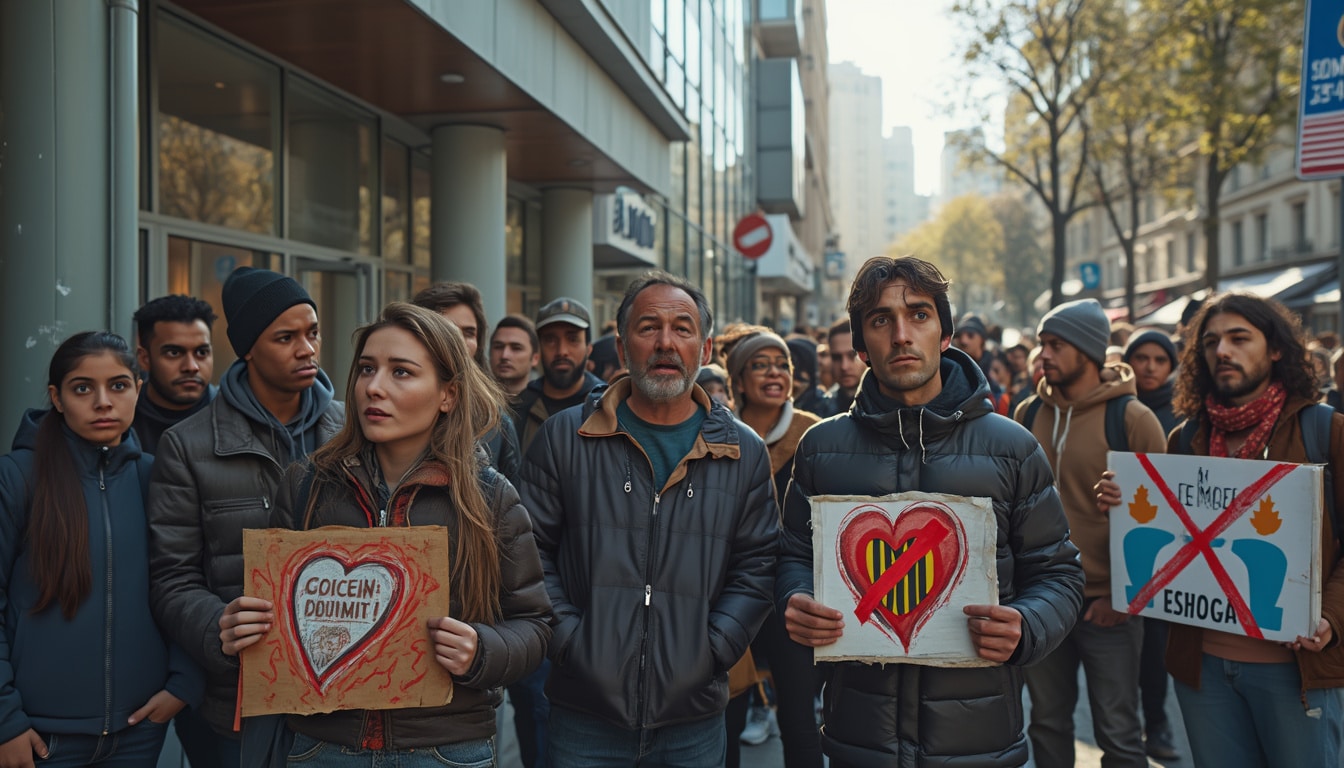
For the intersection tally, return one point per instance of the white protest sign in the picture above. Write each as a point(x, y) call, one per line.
point(900, 568)
point(1227, 544)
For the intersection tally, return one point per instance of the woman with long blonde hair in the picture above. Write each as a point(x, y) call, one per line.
point(409, 457)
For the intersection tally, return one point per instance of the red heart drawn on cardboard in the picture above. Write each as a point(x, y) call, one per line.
point(901, 571)
point(340, 608)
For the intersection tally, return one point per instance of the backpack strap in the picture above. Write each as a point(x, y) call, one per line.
point(1033, 405)
point(1185, 441)
point(1116, 436)
point(1315, 422)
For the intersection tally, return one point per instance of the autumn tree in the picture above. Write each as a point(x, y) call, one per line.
point(1021, 262)
point(1235, 68)
point(1135, 141)
point(1044, 53)
point(965, 241)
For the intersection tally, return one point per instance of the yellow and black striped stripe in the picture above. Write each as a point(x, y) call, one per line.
point(911, 590)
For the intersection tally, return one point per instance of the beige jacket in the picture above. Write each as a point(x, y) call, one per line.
point(1073, 435)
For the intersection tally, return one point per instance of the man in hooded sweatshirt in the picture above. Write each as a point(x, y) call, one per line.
point(1153, 357)
point(1070, 426)
point(216, 474)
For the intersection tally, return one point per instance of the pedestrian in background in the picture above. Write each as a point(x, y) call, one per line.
point(86, 676)
point(761, 374)
point(461, 304)
point(421, 405)
point(178, 361)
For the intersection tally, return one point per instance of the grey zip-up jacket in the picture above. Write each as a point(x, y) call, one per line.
point(657, 592)
point(918, 716)
point(216, 473)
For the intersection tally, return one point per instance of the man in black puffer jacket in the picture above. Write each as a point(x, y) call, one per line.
point(922, 422)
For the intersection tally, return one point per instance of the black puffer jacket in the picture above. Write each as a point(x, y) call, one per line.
point(657, 592)
point(215, 474)
point(916, 716)
point(507, 649)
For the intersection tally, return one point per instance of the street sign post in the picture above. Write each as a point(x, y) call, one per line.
point(752, 236)
point(1320, 132)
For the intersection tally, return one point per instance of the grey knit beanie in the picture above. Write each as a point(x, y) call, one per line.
point(1081, 323)
point(746, 349)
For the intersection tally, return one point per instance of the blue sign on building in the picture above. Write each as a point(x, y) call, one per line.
point(1090, 272)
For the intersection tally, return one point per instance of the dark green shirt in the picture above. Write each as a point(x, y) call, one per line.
point(666, 445)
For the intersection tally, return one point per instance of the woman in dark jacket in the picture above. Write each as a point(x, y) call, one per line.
point(760, 371)
point(408, 458)
point(86, 678)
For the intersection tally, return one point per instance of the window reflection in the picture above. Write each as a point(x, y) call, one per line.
point(331, 170)
point(217, 131)
point(396, 202)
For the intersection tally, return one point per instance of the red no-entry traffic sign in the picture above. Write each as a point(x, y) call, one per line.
point(752, 236)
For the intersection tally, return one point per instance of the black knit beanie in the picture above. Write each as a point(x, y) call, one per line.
point(1151, 336)
point(253, 298)
point(804, 354)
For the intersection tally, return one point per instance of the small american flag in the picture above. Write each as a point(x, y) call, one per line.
point(1321, 151)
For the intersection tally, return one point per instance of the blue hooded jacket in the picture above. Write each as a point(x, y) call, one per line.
point(85, 675)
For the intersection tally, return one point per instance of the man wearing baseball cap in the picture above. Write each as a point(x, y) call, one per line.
point(564, 328)
point(1070, 424)
point(216, 474)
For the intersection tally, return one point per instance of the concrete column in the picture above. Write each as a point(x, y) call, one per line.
point(467, 211)
point(69, 206)
point(567, 245)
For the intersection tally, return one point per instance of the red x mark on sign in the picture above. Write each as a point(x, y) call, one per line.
point(1200, 540)
point(923, 541)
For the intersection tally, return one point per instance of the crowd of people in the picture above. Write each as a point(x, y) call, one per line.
point(630, 518)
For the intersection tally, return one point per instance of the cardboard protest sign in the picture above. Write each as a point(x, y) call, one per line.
point(350, 611)
point(1227, 544)
point(904, 565)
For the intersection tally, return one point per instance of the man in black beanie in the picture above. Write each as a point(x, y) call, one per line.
point(216, 473)
point(1152, 355)
point(807, 396)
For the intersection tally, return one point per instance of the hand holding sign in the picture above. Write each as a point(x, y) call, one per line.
point(244, 621)
point(898, 570)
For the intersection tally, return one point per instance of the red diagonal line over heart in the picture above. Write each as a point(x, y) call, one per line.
point(924, 540)
point(1199, 542)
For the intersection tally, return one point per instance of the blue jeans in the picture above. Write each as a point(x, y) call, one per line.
point(1248, 714)
point(531, 711)
point(1110, 660)
point(135, 746)
point(204, 747)
point(308, 751)
point(584, 741)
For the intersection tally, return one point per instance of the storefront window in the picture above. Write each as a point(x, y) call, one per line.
point(421, 185)
point(396, 202)
point(331, 170)
point(217, 131)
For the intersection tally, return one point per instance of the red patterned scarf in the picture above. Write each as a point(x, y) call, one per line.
point(1261, 412)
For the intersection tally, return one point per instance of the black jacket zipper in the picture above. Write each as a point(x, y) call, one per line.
point(107, 631)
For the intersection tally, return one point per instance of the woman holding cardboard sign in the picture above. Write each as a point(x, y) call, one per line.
point(410, 458)
point(86, 678)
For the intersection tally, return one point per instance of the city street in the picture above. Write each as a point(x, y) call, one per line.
point(771, 755)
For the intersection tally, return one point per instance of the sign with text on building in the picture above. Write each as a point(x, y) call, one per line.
point(626, 226)
point(351, 606)
point(1226, 544)
point(1320, 133)
point(900, 568)
point(1090, 272)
